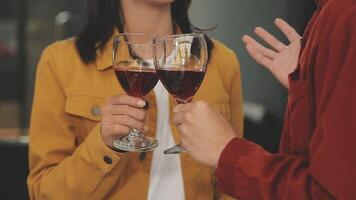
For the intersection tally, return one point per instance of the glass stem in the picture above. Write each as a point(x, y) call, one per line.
point(134, 136)
point(135, 133)
point(177, 149)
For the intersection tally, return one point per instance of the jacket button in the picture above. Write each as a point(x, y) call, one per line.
point(95, 110)
point(107, 160)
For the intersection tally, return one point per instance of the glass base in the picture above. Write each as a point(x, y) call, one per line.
point(175, 150)
point(135, 144)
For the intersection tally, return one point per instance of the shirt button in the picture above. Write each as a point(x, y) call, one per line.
point(107, 160)
point(95, 110)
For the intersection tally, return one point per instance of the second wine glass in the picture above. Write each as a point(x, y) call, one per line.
point(134, 69)
point(180, 62)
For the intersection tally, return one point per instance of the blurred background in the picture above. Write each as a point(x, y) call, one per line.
point(28, 26)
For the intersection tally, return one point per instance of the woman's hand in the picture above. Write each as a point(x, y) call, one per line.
point(204, 132)
point(119, 115)
point(282, 59)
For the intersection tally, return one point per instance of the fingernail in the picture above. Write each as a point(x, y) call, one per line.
point(141, 103)
point(146, 128)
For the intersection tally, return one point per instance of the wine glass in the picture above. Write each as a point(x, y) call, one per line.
point(134, 69)
point(180, 62)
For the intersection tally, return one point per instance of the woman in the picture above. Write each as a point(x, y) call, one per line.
point(79, 108)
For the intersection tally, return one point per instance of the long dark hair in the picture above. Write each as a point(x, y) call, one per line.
point(106, 15)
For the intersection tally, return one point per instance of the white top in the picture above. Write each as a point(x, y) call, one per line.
point(166, 180)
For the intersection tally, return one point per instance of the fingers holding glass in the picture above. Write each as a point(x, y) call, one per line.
point(118, 119)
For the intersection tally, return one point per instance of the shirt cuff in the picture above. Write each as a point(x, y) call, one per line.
point(103, 157)
point(228, 164)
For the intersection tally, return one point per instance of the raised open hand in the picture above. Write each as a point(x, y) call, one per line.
point(281, 59)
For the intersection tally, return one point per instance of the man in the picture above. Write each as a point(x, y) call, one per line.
point(317, 158)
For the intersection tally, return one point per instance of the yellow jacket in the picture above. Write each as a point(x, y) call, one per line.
point(68, 159)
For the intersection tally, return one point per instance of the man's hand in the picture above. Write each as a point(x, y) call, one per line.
point(281, 59)
point(204, 132)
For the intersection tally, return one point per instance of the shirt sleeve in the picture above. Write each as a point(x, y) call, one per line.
point(59, 168)
point(246, 171)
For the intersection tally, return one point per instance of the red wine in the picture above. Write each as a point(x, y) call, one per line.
point(182, 84)
point(136, 82)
